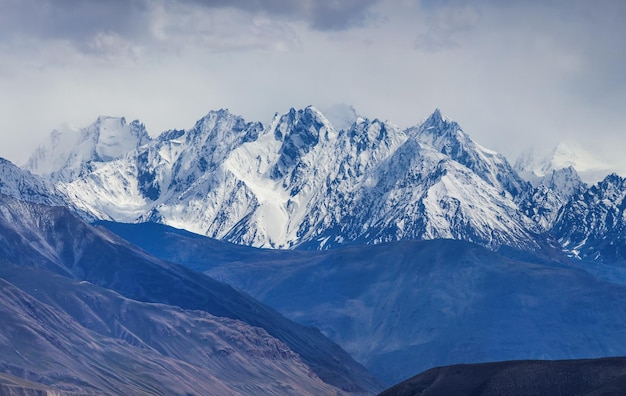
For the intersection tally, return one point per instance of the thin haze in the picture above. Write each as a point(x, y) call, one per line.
point(513, 74)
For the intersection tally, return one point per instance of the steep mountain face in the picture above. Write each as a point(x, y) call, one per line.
point(176, 175)
point(21, 184)
point(564, 182)
point(543, 202)
point(69, 153)
point(448, 138)
point(408, 306)
point(51, 239)
point(592, 225)
point(419, 193)
point(302, 183)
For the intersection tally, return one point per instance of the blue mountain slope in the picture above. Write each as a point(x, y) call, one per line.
point(404, 307)
point(21, 184)
point(74, 336)
point(53, 239)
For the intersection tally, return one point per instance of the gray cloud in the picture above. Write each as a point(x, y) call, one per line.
point(72, 20)
point(512, 74)
point(80, 21)
point(339, 15)
point(322, 15)
point(446, 27)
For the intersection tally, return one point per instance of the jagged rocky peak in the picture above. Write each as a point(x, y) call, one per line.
point(222, 129)
point(592, 224)
point(180, 157)
point(447, 137)
point(299, 131)
point(366, 134)
point(436, 120)
point(612, 182)
point(609, 192)
point(439, 132)
point(219, 120)
point(565, 181)
point(303, 124)
point(365, 144)
point(114, 137)
point(549, 194)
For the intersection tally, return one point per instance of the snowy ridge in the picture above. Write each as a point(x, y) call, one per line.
point(587, 220)
point(302, 182)
point(592, 224)
point(447, 137)
point(420, 193)
point(20, 184)
point(550, 193)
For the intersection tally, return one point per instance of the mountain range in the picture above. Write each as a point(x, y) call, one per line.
point(301, 183)
point(407, 248)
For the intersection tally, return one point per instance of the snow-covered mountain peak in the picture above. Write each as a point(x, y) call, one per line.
point(112, 121)
point(592, 224)
point(210, 119)
point(549, 194)
point(564, 156)
point(301, 182)
point(373, 140)
point(115, 137)
point(299, 131)
point(295, 120)
point(610, 187)
point(442, 134)
point(533, 165)
point(364, 131)
point(216, 124)
point(564, 181)
point(437, 123)
point(447, 137)
point(68, 151)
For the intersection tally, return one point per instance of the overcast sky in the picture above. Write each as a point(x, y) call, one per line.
point(513, 74)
